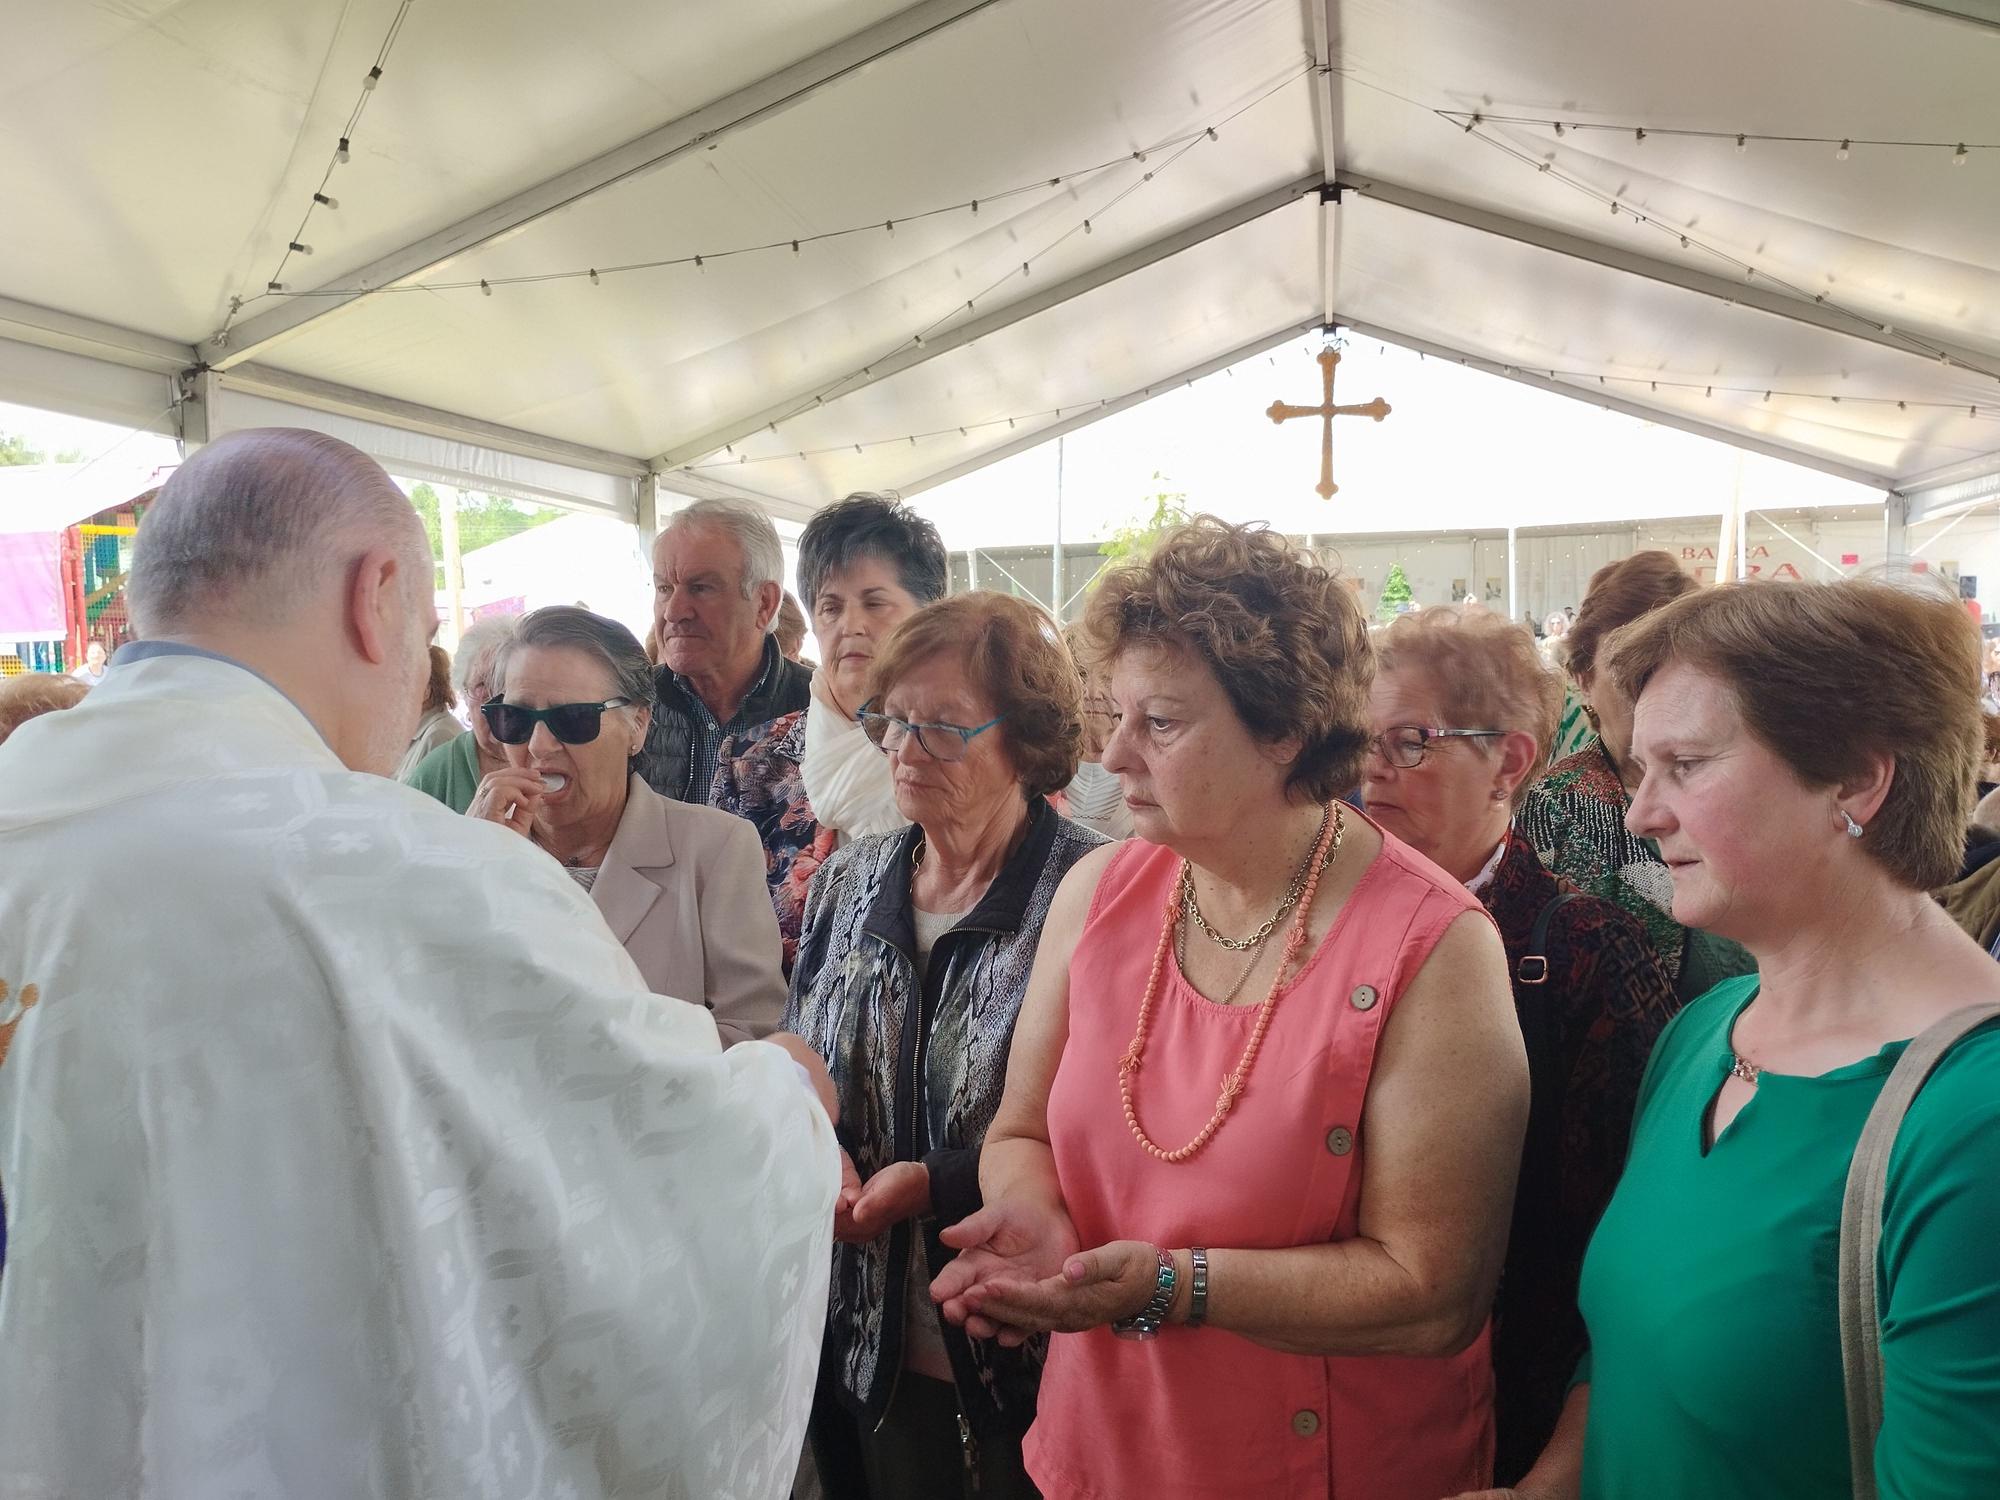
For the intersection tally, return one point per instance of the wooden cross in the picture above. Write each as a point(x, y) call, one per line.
point(1326, 411)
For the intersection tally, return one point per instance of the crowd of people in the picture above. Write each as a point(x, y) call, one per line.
point(1226, 1048)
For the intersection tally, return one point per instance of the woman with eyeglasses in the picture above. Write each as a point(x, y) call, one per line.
point(682, 886)
point(912, 964)
point(1461, 713)
point(1266, 1097)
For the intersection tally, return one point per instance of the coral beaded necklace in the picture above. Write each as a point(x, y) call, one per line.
point(1325, 848)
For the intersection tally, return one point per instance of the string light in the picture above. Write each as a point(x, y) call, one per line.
point(1843, 145)
point(1086, 226)
point(343, 153)
point(1958, 156)
point(593, 276)
point(300, 249)
point(1917, 344)
point(485, 289)
point(374, 77)
point(325, 202)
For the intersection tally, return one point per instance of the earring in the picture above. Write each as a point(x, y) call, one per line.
point(1590, 715)
point(1854, 829)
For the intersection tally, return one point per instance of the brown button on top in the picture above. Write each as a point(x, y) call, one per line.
point(1305, 1423)
point(1340, 1140)
point(1364, 997)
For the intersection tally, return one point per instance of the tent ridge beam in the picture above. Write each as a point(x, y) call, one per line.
point(347, 401)
point(1092, 414)
point(910, 356)
point(1763, 298)
point(1665, 417)
point(702, 127)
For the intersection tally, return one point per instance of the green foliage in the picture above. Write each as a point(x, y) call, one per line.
point(1395, 593)
point(17, 450)
point(482, 520)
point(1134, 540)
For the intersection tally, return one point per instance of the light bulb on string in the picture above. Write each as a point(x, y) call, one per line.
point(593, 277)
point(1559, 129)
point(341, 152)
point(1958, 157)
point(975, 208)
point(485, 288)
point(1742, 144)
point(1845, 147)
point(1086, 226)
point(325, 202)
point(1212, 135)
point(298, 248)
point(374, 77)
point(890, 225)
point(1639, 134)
point(274, 286)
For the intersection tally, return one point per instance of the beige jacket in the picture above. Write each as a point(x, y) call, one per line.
point(682, 887)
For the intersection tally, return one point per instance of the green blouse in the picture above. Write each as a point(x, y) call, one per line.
point(1710, 1291)
point(450, 773)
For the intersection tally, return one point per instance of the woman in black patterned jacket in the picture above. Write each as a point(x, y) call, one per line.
point(1462, 711)
point(913, 960)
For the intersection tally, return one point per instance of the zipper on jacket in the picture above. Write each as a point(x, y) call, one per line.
point(968, 1445)
point(916, 1132)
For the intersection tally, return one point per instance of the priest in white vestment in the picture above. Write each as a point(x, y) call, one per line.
point(343, 1151)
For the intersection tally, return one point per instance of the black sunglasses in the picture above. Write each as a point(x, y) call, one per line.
point(572, 723)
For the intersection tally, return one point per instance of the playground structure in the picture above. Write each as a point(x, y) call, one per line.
point(62, 575)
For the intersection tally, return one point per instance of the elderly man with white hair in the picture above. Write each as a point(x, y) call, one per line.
point(308, 1192)
point(452, 772)
point(717, 588)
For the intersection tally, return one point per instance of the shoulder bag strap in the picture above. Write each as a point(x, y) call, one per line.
point(1861, 1235)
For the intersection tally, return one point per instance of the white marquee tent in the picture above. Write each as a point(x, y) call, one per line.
point(504, 290)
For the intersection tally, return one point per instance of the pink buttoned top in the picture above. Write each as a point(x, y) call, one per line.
point(1198, 1414)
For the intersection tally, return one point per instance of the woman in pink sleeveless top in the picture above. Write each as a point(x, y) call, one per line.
point(1282, 1155)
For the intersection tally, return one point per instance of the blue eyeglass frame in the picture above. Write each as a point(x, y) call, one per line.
point(966, 736)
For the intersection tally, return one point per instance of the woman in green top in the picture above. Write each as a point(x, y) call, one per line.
point(451, 773)
point(1809, 753)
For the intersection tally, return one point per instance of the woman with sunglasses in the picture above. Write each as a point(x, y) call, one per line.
point(914, 957)
point(1461, 714)
point(682, 886)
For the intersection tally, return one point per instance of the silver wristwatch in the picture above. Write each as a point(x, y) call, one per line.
point(1146, 1323)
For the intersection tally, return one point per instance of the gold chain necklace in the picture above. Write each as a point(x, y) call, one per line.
point(1292, 894)
point(1321, 859)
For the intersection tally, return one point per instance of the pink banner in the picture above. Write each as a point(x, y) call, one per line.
point(31, 606)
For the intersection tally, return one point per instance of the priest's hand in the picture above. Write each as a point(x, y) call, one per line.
point(1091, 1289)
point(1003, 1245)
point(901, 1190)
point(510, 797)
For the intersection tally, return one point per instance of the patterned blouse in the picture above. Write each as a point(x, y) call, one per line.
point(758, 776)
point(1574, 818)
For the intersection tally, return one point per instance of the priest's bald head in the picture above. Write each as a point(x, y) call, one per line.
point(295, 554)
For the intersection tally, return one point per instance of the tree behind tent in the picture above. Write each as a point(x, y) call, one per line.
point(1395, 593)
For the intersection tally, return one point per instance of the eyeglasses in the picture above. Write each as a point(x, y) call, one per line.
point(947, 742)
point(571, 723)
point(1405, 745)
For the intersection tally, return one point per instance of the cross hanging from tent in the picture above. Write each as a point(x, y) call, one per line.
point(1326, 411)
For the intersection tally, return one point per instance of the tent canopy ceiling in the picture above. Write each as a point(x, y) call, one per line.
point(510, 140)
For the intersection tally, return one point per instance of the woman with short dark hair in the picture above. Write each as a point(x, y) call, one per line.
point(914, 959)
point(1575, 815)
point(810, 781)
point(1266, 1097)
